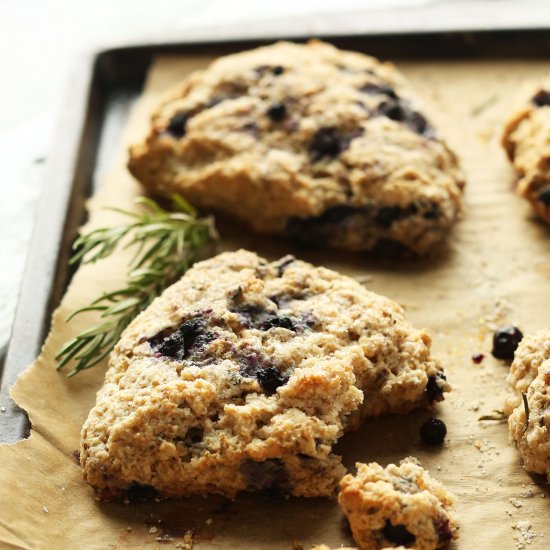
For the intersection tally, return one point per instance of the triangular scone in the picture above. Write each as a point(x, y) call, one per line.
point(526, 139)
point(244, 374)
point(325, 146)
point(529, 402)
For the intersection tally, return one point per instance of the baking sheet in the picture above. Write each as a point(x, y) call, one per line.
point(496, 270)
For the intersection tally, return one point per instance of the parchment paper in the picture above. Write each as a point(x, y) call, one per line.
point(496, 270)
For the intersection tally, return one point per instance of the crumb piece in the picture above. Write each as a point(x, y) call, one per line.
point(3, 409)
point(524, 533)
point(187, 541)
point(516, 502)
point(209, 521)
point(45, 509)
point(128, 529)
point(153, 530)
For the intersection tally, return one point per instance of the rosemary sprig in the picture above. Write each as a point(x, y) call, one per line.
point(497, 415)
point(167, 243)
point(526, 407)
point(484, 105)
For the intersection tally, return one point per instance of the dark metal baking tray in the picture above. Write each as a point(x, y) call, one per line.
point(94, 113)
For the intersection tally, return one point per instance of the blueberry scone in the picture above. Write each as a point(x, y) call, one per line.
point(327, 147)
point(397, 506)
point(527, 143)
point(243, 375)
point(529, 405)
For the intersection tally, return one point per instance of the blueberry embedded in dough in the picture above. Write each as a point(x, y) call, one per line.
point(541, 98)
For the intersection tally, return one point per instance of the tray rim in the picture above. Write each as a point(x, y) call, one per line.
point(57, 219)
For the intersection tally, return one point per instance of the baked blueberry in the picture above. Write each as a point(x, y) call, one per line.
point(277, 112)
point(398, 534)
point(544, 197)
point(433, 431)
point(177, 125)
point(541, 98)
point(326, 142)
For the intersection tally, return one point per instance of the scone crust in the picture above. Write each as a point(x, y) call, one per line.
point(530, 376)
point(526, 140)
point(403, 496)
point(243, 375)
point(350, 162)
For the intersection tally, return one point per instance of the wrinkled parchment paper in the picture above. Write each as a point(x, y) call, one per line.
point(496, 270)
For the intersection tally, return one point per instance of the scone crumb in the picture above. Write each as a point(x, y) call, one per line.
point(397, 506)
point(45, 509)
point(153, 530)
point(516, 502)
point(187, 542)
point(524, 534)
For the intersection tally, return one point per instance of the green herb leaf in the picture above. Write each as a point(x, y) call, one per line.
point(526, 407)
point(167, 243)
point(497, 415)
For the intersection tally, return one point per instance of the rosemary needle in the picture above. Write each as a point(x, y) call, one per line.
point(167, 243)
point(526, 407)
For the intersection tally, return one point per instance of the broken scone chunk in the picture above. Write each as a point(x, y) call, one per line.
point(324, 146)
point(244, 374)
point(527, 143)
point(529, 405)
point(397, 506)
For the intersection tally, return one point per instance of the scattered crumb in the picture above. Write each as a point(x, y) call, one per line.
point(516, 502)
point(474, 406)
point(128, 529)
point(364, 279)
point(187, 541)
point(153, 530)
point(3, 409)
point(209, 521)
point(524, 535)
point(45, 509)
